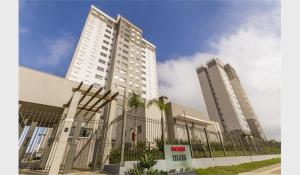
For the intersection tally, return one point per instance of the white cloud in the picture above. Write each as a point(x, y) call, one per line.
point(254, 51)
point(56, 49)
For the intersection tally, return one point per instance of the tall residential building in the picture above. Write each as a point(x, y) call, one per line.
point(245, 104)
point(226, 100)
point(220, 99)
point(113, 53)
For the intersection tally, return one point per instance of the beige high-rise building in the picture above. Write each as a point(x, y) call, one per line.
point(248, 111)
point(220, 99)
point(226, 100)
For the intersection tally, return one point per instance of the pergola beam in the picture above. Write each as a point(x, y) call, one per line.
point(89, 89)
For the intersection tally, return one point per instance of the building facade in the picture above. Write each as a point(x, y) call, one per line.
point(220, 98)
point(226, 99)
point(245, 104)
point(112, 53)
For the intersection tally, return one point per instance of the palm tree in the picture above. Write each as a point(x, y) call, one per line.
point(135, 102)
point(162, 107)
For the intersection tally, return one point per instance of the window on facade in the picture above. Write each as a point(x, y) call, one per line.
point(143, 78)
point(125, 45)
point(124, 64)
point(84, 132)
point(144, 92)
point(139, 129)
point(125, 58)
point(122, 79)
point(109, 26)
point(99, 77)
point(127, 35)
point(104, 48)
point(106, 42)
point(106, 36)
point(143, 72)
point(103, 54)
point(121, 88)
point(100, 68)
point(97, 85)
point(101, 61)
point(108, 31)
point(125, 51)
point(123, 71)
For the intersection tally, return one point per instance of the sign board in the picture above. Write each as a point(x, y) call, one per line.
point(177, 156)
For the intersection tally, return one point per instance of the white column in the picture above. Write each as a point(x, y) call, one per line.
point(107, 143)
point(64, 135)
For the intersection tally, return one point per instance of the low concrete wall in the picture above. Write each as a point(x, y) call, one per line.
point(196, 163)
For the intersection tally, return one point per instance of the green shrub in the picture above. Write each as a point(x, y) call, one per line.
point(114, 156)
point(147, 161)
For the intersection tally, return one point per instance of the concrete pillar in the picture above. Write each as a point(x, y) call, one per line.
point(103, 144)
point(64, 135)
point(26, 140)
point(95, 126)
point(107, 138)
point(73, 145)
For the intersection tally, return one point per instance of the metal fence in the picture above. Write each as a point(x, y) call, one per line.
point(149, 135)
point(37, 142)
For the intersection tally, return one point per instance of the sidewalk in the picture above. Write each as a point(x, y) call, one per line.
point(268, 170)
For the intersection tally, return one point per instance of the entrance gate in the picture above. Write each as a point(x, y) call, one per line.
point(53, 139)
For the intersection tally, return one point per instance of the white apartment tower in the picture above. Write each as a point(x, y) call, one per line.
point(221, 101)
point(113, 53)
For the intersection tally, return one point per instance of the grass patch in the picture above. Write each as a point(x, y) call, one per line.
point(236, 169)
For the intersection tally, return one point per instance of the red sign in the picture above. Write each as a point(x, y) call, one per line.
point(178, 148)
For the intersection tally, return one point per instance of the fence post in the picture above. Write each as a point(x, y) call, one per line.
point(254, 145)
point(262, 147)
point(208, 144)
point(124, 126)
point(246, 138)
point(259, 147)
point(241, 145)
point(188, 137)
point(223, 147)
point(230, 136)
point(163, 135)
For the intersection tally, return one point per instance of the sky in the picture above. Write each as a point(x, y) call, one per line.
point(244, 33)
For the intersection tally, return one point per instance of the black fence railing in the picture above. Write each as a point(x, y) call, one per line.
point(145, 136)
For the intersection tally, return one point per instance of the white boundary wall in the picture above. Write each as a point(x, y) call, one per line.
point(196, 163)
